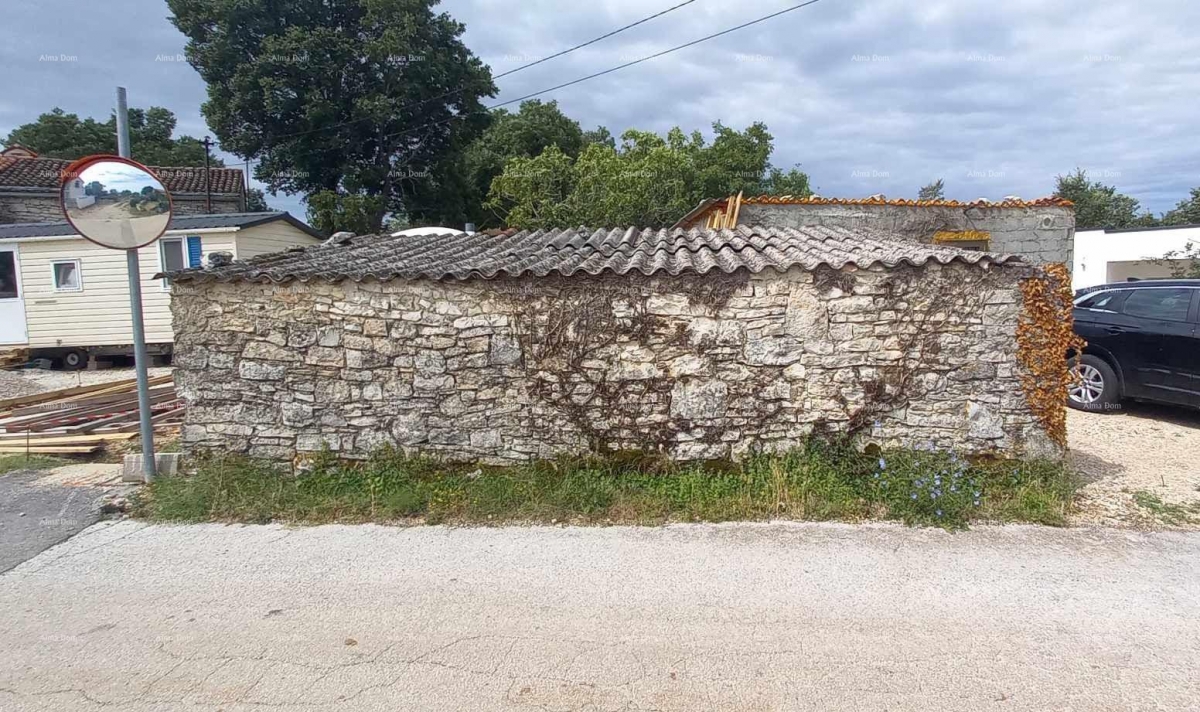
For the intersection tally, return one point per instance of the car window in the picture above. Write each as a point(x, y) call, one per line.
point(1168, 304)
point(1104, 301)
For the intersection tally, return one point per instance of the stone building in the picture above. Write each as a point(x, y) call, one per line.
point(700, 343)
point(29, 189)
point(1041, 231)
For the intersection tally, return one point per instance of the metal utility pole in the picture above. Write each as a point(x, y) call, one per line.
point(207, 176)
point(135, 304)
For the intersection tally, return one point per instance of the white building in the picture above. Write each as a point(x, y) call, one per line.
point(1103, 256)
point(76, 195)
point(65, 298)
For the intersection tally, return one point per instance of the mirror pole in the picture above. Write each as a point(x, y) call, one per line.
point(140, 358)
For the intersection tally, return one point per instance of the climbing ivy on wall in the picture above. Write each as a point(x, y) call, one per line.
point(1045, 335)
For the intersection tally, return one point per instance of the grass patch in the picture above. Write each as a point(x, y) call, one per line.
point(818, 481)
point(1175, 515)
point(13, 463)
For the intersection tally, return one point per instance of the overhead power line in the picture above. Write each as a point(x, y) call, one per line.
point(592, 42)
point(619, 67)
point(452, 92)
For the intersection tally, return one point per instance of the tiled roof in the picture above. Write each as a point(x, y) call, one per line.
point(178, 222)
point(581, 250)
point(16, 172)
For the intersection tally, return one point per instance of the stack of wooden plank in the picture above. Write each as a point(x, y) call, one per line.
point(13, 357)
point(82, 420)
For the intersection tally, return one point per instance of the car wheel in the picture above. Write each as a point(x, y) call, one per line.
point(74, 360)
point(1094, 387)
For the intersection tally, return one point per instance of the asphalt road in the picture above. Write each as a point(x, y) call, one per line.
point(128, 616)
point(33, 517)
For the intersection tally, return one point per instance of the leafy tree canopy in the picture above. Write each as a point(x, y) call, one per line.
point(366, 98)
point(648, 180)
point(533, 128)
point(330, 211)
point(933, 191)
point(57, 134)
point(1100, 206)
point(1187, 212)
point(256, 201)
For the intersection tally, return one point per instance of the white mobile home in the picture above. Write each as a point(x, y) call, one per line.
point(65, 298)
point(1103, 256)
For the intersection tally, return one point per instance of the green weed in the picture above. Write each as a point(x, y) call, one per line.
point(817, 481)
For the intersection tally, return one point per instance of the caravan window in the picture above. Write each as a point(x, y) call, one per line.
point(67, 277)
point(170, 257)
point(8, 275)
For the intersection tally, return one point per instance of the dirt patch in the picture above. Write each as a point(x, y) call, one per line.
point(1143, 453)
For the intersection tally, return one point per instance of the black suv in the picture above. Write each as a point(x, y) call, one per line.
point(1142, 343)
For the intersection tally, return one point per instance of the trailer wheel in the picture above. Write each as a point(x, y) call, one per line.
point(74, 360)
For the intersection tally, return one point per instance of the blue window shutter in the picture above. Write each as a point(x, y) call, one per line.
point(193, 251)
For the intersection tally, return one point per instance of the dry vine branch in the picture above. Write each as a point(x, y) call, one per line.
point(922, 319)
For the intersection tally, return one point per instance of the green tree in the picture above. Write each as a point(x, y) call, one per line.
point(648, 180)
point(330, 211)
point(534, 192)
point(794, 183)
point(366, 98)
point(57, 134)
point(1184, 264)
point(533, 128)
point(256, 201)
point(599, 135)
point(933, 191)
point(1100, 206)
point(1187, 212)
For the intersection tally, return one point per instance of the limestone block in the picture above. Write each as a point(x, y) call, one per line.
point(265, 351)
point(703, 331)
point(984, 422)
point(687, 365)
point(260, 371)
point(699, 399)
point(505, 350)
point(772, 351)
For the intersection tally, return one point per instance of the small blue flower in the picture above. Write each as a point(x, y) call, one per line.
point(914, 495)
point(939, 512)
point(882, 464)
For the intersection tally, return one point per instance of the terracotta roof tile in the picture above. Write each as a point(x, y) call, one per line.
point(1050, 201)
point(17, 172)
point(574, 251)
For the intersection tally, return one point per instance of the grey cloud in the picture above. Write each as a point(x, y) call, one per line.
point(868, 96)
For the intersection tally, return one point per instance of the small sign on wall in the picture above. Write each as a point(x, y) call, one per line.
point(193, 251)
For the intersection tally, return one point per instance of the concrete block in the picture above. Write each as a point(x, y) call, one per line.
point(166, 463)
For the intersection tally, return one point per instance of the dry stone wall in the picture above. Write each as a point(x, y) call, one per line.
point(701, 367)
point(1043, 235)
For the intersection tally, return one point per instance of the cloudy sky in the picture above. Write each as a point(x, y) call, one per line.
point(867, 96)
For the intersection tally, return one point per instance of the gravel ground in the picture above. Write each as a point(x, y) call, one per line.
point(48, 380)
point(202, 618)
point(1143, 448)
point(14, 384)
